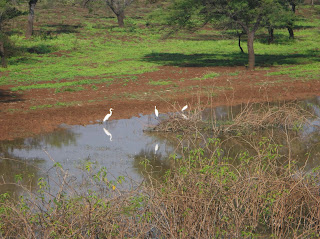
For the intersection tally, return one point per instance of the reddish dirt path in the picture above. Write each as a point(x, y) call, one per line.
point(138, 96)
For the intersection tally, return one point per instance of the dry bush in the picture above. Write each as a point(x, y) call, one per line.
point(251, 117)
point(255, 117)
point(207, 199)
point(199, 198)
point(187, 122)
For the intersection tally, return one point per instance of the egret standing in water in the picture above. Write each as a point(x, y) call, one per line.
point(184, 108)
point(108, 115)
point(156, 148)
point(156, 112)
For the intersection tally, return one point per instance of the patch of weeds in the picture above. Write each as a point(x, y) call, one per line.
point(108, 84)
point(60, 84)
point(302, 72)
point(128, 96)
point(64, 104)
point(37, 107)
point(12, 110)
point(160, 82)
point(234, 73)
point(94, 87)
point(262, 68)
point(41, 49)
point(196, 78)
point(210, 75)
point(69, 89)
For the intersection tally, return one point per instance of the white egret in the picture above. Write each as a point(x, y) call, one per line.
point(184, 108)
point(108, 115)
point(156, 112)
point(156, 148)
point(107, 133)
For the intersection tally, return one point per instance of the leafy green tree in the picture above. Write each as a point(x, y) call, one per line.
point(248, 15)
point(7, 11)
point(284, 18)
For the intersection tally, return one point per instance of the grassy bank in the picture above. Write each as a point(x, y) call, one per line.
point(74, 47)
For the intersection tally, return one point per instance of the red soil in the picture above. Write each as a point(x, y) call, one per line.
point(138, 96)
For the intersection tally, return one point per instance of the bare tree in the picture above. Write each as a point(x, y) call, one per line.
point(32, 5)
point(118, 7)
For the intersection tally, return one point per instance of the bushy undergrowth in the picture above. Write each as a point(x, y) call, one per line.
point(251, 117)
point(201, 197)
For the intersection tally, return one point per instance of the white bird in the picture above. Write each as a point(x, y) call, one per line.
point(184, 108)
point(108, 133)
point(156, 112)
point(108, 115)
point(156, 148)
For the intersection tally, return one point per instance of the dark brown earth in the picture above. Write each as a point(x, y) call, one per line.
point(138, 96)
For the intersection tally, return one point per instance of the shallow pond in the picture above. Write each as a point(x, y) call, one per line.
point(121, 145)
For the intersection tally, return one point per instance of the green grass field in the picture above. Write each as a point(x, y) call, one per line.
point(82, 48)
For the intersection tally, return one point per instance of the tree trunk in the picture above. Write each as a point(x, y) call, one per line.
point(251, 56)
point(293, 7)
point(290, 24)
point(290, 30)
point(2, 55)
point(239, 35)
point(270, 37)
point(32, 5)
point(120, 18)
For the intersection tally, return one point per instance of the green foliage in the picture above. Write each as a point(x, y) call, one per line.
point(72, 55)
point(160, 82)
point(210, 75)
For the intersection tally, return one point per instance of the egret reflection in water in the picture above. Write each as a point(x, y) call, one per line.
point(156, 148)
point(107, 133)
point(156, 112)
point(184, 116)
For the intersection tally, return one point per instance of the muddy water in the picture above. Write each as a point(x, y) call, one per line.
point(121, 146)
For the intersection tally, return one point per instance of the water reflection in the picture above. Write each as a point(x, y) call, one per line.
point(17, 171)
point(140, 154)
point(107, 133)
point(151, 165)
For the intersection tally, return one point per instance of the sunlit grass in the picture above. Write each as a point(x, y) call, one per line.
point(303, 72)
point(96, 48)
point(160, 82)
